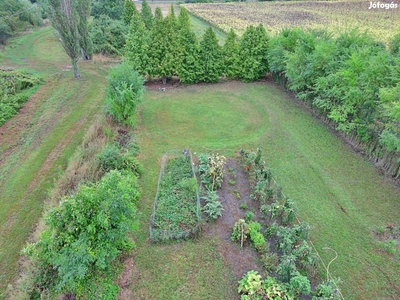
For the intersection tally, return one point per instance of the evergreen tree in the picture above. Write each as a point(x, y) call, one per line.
point(129, 12)
point(210, 57)
point(147, 15)
point(137, 45)
point(189, 60)
point(253, 53)
point(230, 51)
point(65, 19)
point(112, 8)
point(163, 48)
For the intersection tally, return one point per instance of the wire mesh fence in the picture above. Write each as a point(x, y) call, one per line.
point(159, 234)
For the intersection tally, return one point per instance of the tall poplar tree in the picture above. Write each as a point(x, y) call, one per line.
point(85, 42)
point(210, 57)
point(64, 18)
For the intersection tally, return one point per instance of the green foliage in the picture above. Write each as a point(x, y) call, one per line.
point(213, 207)
point(189, 61)
point(240, 231)
point(86, 232)
point(137, 45)
point(124, 93)
point(163, 46)
point(256, 237)
point(270, 262)
point(111, 8)
point(230, 52)
point(108, 35)
point(249, 216)
point(211, 169)
point(300, 285)
point(176, 201)
point(111, 158)
point(17, 15)
point(253, 48)
point(289, 236)
point(287, 268)
point(147, 15)
point(389, 246)
point(326, 290)
point(250, 285)
point(210, 56)
point(130, 12)
point(243, 205)
point(394, 45)
point(15, 89)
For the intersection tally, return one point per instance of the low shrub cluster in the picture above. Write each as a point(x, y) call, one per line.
point(293, 262)
point(175, 214)
point(84, 235)
point(15, 89)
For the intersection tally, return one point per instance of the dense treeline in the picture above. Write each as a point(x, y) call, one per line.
point(17, 15)
point(164, 47)
point(350, 79)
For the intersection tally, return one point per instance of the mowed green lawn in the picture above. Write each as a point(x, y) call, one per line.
point(336, 190)
point(35, 146)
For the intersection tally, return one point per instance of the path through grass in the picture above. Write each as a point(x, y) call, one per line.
point(337, 191)
point(37, 143)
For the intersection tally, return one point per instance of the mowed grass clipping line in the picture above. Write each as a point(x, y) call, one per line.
point(339, 193)
point(54, 128)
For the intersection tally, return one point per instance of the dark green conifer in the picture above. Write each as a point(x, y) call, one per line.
point(210, 57)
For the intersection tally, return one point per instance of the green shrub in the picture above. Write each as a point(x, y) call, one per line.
point(86, 233)
point(240, 231)
point(249, 216)
point(256, 237)
point(243, 205)
point(124, 93)
point(213, 208)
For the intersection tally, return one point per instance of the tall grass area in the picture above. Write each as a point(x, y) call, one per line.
point(44, 138)
point(337, 191)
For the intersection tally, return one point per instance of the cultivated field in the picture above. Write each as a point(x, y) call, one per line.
point(333, 16)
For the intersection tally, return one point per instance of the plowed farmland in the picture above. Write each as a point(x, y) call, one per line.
point(333, 16)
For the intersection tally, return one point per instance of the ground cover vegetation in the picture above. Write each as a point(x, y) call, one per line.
point(16, 16)
point(176, 206)
point(15, 89)
point(334, 16)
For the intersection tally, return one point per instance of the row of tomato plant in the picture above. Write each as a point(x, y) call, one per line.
point(281, 240)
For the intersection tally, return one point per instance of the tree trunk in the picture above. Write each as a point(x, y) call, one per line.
point(84, 56)
point(164, 80)
point(76, 71)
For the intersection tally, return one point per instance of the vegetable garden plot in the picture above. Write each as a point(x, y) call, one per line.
point(176, 210)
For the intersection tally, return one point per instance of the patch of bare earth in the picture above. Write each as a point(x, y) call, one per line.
point(239, 260)
point(125, 279)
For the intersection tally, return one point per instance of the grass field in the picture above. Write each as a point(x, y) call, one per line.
point(335, 16)
point(338, 192)
point(37, 143)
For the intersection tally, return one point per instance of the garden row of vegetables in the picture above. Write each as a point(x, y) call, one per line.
point(280, 239)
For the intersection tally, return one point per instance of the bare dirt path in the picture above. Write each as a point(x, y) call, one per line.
point(239, 260)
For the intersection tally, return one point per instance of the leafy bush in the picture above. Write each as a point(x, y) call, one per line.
point(211, 169)
point(251, 284)
point(124, 93)
point(240, 231)
point(326, 290)
point(15, 89)
point(213, 207)
point(86, 232)
point(249, 216)
point(256, 237)
point(270, 262)
point(112, 159)
point(108, 35)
